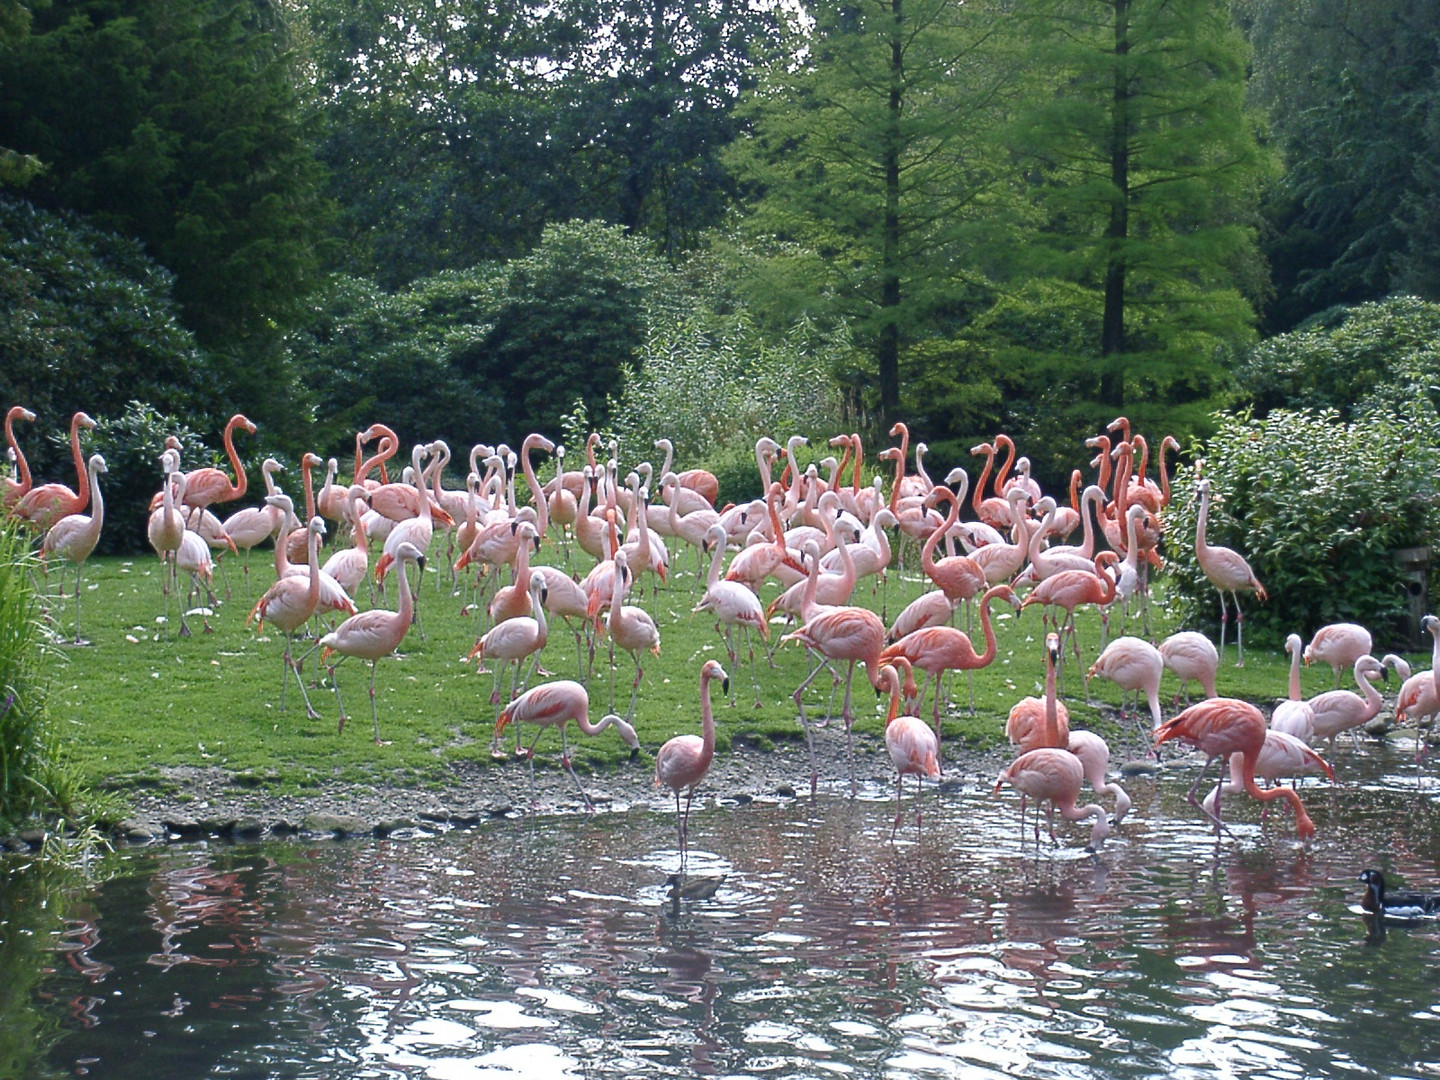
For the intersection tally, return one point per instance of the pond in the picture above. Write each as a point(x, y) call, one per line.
point(548, 947)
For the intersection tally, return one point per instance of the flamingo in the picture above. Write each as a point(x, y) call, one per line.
point(959, 577)
point(333, 596)
point(73, 538)
point(1282, 755)
point(1132, 663)
point(630, 627)
point(937, 649)
point(349, 566)
point(1219, 728)
point(193, 556)
point(513, 601)
point(684, 760)
point(1343, 710)
point(1191, 655)
point(15, 490)
point(206, 487)
point(514, 641)
point(44, 505)
point(700, 481)
point(253, 525)
point(554, 704)
point(1051, 775)
point(1228, 571)
point(1294, 716)
point(1038, 722)
point(1419, 697)
point(913, 747)
point(166, 527)
point(932, 608)
point(732, 604)
point(1071, 588)
point(1339, 645)
point(288, 604)
point(372, 635)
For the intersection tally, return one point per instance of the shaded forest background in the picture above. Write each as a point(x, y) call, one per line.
point(713, 218)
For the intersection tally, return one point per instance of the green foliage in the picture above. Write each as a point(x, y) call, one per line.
point(132, 443)
point(87, 322)
point(1317, 506)
point(1349, 359)
point(32, 781)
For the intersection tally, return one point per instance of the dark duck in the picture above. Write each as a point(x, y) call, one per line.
point(1410, 905)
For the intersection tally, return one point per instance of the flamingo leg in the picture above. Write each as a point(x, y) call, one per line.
point(570, 768)
point(1224, 618)
point(374, 712)
point(335, 686)
point(1239, 630)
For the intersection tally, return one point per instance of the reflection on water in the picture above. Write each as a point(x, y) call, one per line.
point(549, 948)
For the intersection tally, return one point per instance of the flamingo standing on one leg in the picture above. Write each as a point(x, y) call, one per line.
point(554, 704)
point(913, 747)
point(372, 635)
point(73, 538)
point(1132, 663)
point(12, 491)
point(1219, 728)
point(684, 760)
point(1228, 571)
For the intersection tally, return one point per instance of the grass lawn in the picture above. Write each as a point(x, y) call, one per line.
point(140, 698)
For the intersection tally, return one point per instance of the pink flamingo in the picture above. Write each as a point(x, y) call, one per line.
point(1419, 697)
point(1282, 755)
point(44, 505)
point(350, 566)
point(1294, 716)
point(732, 604)
point(1037, 722)
point(913, 747)
point(73, 538)
point(700, 481)
point(15, 490)
point(1132, 663)
point(855, 634)
point(166, 527)
point(372, 635)
point(288, 604)
point(555, 704)
point(206, 487)
point(1191, 655)
point(1094, 755)
point(253, 525)
point(514, 601)
point(1219, 728)
point(959, 577)
point(630, 627)
point(193, 557)
point(937, 649)
point(1339, 645)
point(1069, 589)
point(1228, 571)
point(514, 641)
point(1051, 775)
point(1343, 710)
point(684, 760)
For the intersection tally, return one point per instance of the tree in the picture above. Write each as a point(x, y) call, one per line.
point(1144, 167)
point(1355, 107)
point(872, 156)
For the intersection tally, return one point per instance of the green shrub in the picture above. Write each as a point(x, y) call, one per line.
point(132, 443)
point(1317, 506)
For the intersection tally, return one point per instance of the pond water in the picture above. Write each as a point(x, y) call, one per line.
point(548, 947)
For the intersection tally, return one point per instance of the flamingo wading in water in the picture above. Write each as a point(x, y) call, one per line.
point(684, 760)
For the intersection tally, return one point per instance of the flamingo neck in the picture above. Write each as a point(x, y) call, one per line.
point(1009, 461)
point(978, 497)
point(859, 463)
point(82, 474)
point(21, 465)
point(241, 483)
point(542, 510)
point(707, 719)
point(1295, 675)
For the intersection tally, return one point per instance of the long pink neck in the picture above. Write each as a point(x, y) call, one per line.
point(707, 721)
point(240, 481)
point(82, 481)
point(927, 553)
point(1009, 461)
point(21, 465)
point(988, 631)
point(405, 610)
point(1052, 706)
point(542, 510)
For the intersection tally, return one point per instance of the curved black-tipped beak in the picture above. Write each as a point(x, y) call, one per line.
point(535, 543)
point(725, 685)
point(514, 527)
point(420, 562)
point(544, 595)
point(634, 752)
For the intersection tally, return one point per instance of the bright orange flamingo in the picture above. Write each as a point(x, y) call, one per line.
point(44, 505)
point(372, 635)
point(684, 760)
point(74, 537)
point(554, 704)
point(1219, 728)
point(206, 487)
point(15, 490)
point(914, 748)
point(1228, 571)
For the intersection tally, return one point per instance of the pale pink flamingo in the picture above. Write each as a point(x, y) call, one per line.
point(253, 525)
point(15, 490)
point(193, 557)
point(1343, 710)
point(630, 627)
point(1219, 728)
point(1051, 775)
point(1339, 645)
point(1047, 562)
point(333, 596)
point(1132, 664)
point(562, 502)
point(1419, 697)
point(685, 759)
point(350, 566)
point(372, 635)
point(937, 649)
point(854, 634)
point(828, 589)
point(755, 563)
point(701, 481)
point(44, 505)
point(554, 704)
point(1228, 571)
point(1000, 562)
point(732, 604)
point(564, 597)
point(513, 642)
point(692, 527)
point(206, 487)
point(288, 604)
point(1191, 655)
point(932, 608)
point(1069, 589)
point(419, 529)
point(1283, 755)
point(73, 538)
point(1294, 716)
point(1094, 755)
point(914, 748)
point(959, 577)
point(166, 526)
point(333, 501)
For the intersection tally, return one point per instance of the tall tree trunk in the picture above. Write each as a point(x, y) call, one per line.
point(888, 352)
point(1112, 331)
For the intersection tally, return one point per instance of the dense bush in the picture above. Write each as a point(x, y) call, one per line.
point(132, 443)
point(1318, 506)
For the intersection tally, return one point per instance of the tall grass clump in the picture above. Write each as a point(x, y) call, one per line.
point(1318, 506)
point(32, 782)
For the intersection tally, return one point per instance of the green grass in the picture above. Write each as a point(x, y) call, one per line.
point(140, 699)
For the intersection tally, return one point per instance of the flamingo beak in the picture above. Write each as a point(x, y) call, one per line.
point(725, 685)
point(634, 752)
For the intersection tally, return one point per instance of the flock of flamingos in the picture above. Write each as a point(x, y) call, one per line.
point(815, 534)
